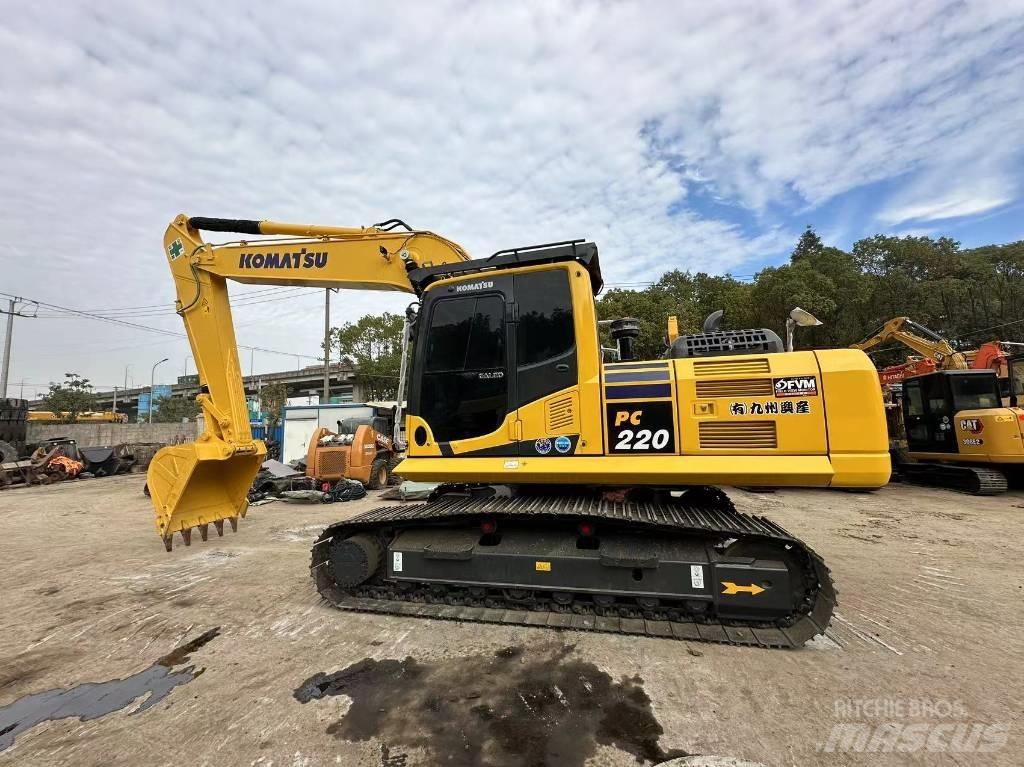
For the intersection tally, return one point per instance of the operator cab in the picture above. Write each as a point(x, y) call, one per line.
point(495, 334)
point(931, 403)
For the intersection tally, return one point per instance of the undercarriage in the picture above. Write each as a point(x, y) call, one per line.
point(675, 565)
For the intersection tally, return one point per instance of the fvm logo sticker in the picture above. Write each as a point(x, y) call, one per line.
point(973, 425)
point(796, 386)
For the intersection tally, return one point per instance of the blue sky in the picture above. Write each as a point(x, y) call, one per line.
point(675, 135)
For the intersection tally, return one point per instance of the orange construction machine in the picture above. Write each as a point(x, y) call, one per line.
point(356, 451)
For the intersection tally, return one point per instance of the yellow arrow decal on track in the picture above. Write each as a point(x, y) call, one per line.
point(734, 588)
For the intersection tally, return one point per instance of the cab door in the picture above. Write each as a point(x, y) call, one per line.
point(928, 414)
point(464, 390)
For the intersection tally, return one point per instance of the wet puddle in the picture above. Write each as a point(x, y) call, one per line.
point(513, 707)
point(95, 699)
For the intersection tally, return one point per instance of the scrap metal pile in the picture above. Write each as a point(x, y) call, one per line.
point(279, 481)
point(56, 460)
point(13, 414)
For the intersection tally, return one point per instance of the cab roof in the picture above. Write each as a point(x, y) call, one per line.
point(582, 252)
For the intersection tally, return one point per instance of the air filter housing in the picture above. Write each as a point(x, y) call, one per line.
point(726, 342)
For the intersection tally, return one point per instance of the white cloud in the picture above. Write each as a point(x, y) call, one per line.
point(954, 190)
point(495, 125)
point(951, 205)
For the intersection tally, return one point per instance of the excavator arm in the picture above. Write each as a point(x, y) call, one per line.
point(207, 481)
point(925, 342)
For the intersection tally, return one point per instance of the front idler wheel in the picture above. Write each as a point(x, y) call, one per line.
point(355, 560)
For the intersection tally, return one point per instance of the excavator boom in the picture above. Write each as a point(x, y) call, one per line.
point(925, 342)
point(207, 481)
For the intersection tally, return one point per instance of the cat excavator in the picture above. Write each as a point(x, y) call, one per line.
point(953, 416)
point(573, 493)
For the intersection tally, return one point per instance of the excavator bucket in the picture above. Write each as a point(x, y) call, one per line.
point(196, 484)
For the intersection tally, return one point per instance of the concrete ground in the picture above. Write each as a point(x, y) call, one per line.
point(923, 657)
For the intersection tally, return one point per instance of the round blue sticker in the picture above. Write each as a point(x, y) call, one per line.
point(563, 444)
point(542, 446)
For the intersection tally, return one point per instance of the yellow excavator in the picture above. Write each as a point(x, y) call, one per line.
point(573, 493)
point(949, 424)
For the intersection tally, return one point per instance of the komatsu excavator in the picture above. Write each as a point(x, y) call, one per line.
point(573, 493)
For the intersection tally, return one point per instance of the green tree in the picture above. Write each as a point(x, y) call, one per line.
point(969, 296)
point(73, 396)
point(686, 296)
point(374, 346)
point(272, 399)
point(809, 244)
point(175, 410)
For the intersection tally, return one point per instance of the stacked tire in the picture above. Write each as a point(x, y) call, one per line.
point(13, 413)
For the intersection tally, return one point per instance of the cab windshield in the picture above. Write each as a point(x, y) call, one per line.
point(1016, 382)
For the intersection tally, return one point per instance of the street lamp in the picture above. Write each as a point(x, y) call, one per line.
point(152, 382)
point(800, 317)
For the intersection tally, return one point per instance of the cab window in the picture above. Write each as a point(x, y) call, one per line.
point(974, 392)
point(915, 402)
point(545, 316)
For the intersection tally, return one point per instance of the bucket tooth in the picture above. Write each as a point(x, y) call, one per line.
point(219, 526)
point(204, 530)
point(169, 542)
point(186, 535)
point(234, 524)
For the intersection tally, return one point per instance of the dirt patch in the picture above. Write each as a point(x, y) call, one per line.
point(512, 707)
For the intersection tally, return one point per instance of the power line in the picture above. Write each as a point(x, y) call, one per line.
point(248, 299)
point(242, 295)
point(161, 331)
point(982, 330)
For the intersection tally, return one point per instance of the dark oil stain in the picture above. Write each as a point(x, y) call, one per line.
point(513, 707)
point(95, 699)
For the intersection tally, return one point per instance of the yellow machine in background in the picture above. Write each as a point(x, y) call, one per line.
point(512, 405)
point(949, 424)
point(48, 416)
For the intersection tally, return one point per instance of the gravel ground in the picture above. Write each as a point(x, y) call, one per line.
point(244, 665)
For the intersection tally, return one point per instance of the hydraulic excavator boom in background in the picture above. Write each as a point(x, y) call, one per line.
point(936, 352)
point(572, 493)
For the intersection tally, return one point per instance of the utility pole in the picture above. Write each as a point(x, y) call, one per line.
point(114, 408)
point(327, 346)
point(12, 312)
point(7, 348)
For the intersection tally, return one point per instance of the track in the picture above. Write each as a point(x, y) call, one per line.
point(713, 524)
point(967, 479)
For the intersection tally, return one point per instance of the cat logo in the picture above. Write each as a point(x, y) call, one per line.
point(973, 425)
